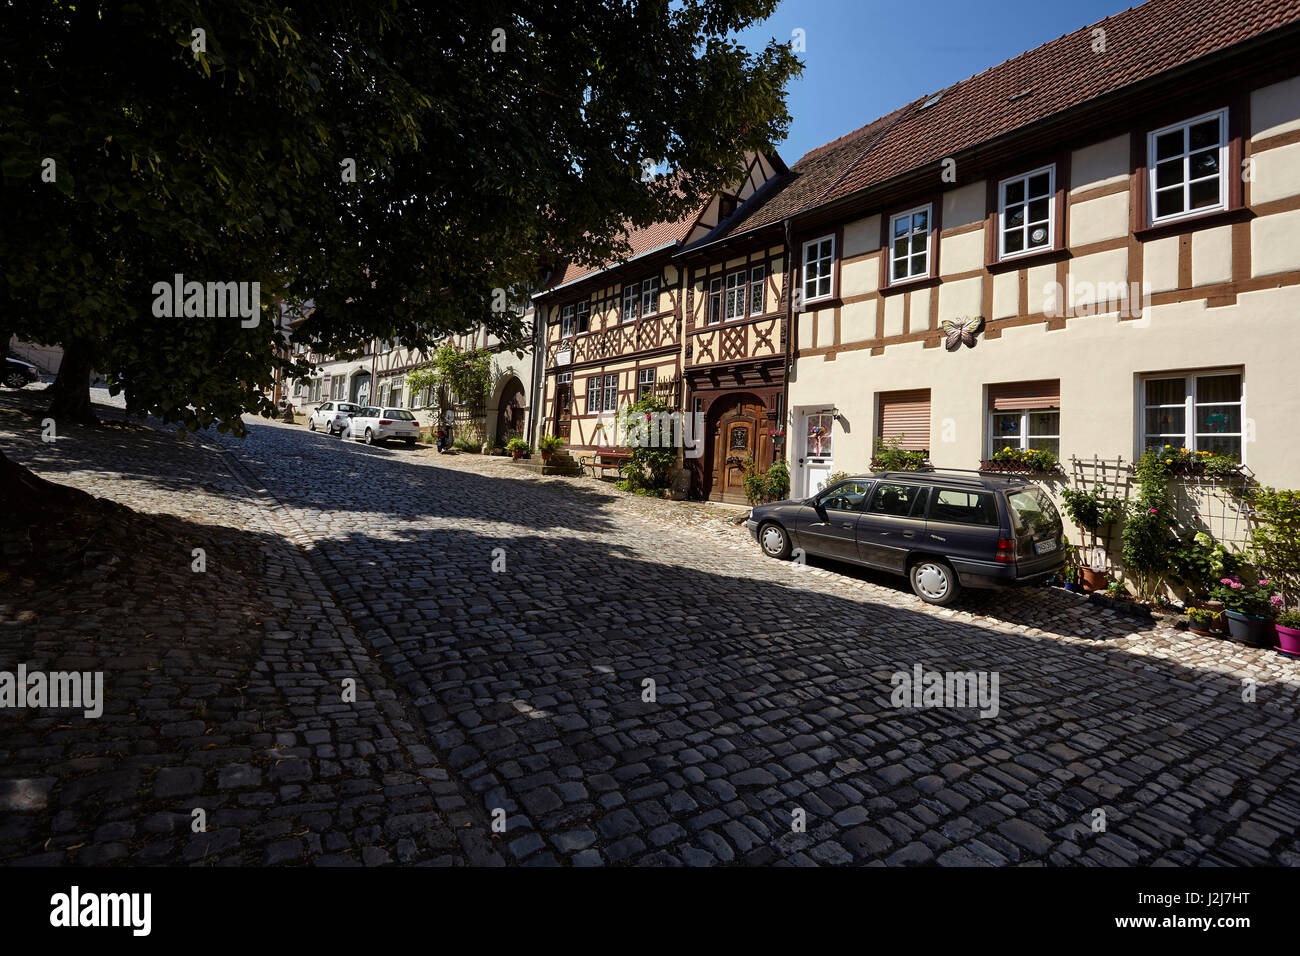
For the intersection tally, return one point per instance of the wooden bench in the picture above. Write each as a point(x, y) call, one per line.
point(604, 459)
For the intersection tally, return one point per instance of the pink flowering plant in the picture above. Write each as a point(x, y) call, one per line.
point(1258, 600)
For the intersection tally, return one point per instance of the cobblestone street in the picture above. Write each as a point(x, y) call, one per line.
point(501, 628)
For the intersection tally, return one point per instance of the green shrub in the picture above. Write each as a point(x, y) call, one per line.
point(650, 467)
point(1275, 539)
point(518, 445)
point(1148, 529)
point(466, 444)
point(1091, 510)
point(550, 444)
point(1198, 562)
point(764, 486)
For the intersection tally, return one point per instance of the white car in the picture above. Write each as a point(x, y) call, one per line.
point(380, 424)
point(333, 417)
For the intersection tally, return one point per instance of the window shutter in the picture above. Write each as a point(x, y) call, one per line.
point(906, 414)
point(1011, 396)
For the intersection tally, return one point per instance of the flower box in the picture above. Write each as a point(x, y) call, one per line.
point(1017, 468)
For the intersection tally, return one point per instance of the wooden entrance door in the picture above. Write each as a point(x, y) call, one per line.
point(738, 428)
point(563, 410)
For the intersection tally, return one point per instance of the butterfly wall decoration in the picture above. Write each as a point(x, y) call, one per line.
point(962, 331)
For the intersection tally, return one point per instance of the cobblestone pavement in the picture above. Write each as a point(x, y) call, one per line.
point(504, 627)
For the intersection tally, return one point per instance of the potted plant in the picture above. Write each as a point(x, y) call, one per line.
point(518, 448)
point(548, 445)
point(1092, 511)
point(891, 456)
point(1200, 620)
point(1070, 572)
point(1249, 611)
point(1288, 632)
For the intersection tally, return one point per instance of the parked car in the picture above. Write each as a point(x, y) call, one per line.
point(17, 374)
point(380, 424)
point(332, 416)
point(945, 531)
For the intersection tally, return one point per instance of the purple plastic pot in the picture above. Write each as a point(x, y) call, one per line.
point(1288, 639)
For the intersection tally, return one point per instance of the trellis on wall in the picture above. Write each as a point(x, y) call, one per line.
point(1115, 477)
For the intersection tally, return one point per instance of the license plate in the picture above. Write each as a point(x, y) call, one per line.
point(1042, 547)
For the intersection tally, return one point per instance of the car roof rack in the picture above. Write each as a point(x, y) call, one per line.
point(956, 475)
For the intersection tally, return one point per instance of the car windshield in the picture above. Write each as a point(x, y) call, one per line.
point(1032, 512)
point(400, 414)
point(348, 407)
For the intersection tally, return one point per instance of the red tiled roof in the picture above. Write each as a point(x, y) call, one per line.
point(641, 240)
point(816, 172)
point(1141, 42)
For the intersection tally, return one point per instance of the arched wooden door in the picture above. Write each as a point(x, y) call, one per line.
point(737, 429)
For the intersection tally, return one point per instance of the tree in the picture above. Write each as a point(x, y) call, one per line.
point(407, 171)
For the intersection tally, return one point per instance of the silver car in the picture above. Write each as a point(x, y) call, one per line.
point(333, 417)
point(380, 424)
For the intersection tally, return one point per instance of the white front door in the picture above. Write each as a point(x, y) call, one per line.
point(816, 457)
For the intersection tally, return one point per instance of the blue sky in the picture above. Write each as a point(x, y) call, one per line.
point(865, 58)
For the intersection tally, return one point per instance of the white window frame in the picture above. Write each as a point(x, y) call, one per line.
point(593, 394)
point(631, 300)
point(610, 392)
point(734, 301)
point(645, 377)
point(582, 317)
point(1026, 250)
point(928, 209)
point(1189, 406)
point(757, 300)
point(566, 322)
point(1186, 185)
point(715, 295)
point(996, 443)
point(829, 259)
point(650, 296)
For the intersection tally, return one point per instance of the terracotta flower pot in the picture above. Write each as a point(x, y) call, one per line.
point(1093, 580)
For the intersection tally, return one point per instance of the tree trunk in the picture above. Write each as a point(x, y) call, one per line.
point(27, 496)
point(70, 393)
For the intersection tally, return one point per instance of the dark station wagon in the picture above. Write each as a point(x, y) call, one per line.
point(943, 530)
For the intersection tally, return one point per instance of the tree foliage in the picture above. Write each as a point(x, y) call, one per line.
point(488, 138)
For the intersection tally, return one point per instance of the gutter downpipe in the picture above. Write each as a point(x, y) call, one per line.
point(790, 332)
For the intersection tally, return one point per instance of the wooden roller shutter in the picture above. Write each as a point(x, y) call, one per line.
point(907, 414)
point(1011, 396)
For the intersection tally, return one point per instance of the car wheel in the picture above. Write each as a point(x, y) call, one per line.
point(774, 541)
point(370, 439)
point(311, 424)
point(934, 581)
point(15, 379)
